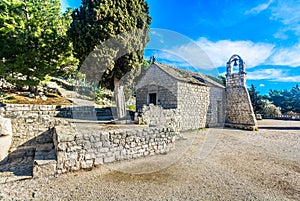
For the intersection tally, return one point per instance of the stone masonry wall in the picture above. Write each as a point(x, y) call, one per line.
point(239, 111)
point(90, 147)
point(157, 81)
point(238, 79)
point(216, 111)
point(160, 117)
point(29, 121)
point(193, 102)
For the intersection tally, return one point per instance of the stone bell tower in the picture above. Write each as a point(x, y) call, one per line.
point(239, 110)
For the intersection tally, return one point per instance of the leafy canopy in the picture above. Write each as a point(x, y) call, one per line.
point(287, 100)
point(33, 41)
point(104, 22)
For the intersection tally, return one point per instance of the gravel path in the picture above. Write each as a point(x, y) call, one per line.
point(211, 164)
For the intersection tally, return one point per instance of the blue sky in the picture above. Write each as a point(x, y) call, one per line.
point(265, 33)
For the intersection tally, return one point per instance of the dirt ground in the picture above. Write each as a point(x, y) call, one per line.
point(210, 164)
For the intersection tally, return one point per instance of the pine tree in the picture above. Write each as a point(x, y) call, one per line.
point(106, 23)
point(33, 41)
point(257, 101)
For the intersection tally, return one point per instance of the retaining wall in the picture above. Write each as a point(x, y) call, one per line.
point(29, 121)
point(89, 147)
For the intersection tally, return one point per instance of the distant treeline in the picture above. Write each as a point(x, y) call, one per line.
point(278, 101)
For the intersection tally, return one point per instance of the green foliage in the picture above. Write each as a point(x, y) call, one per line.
point(103, 93)
point(7, 98)
point(258, 103)
point(277, 102)
point(33, 41)
point(46, 80)
point(131, 107)
point(270, 110)
point(146, 64)
point(287, 100)
point(97, 21)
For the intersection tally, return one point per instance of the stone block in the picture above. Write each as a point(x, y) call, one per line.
point(5, 127)
point(89, 156)
point(103, 150)
point(87, 164)
point(5, 143)
point(99, 161)
point(109, 159)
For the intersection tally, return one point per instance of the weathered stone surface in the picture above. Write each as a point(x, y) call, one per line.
point(30, 121)
point(5, 126)
point(181, 98)
point(193, 105)
point(216, 108)
point(5, 136)
point(239, 111)
point(113, 145)
point(43, 168)
point(5, 143)
point(157, 116)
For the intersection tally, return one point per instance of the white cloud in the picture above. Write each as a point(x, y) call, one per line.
point(171, 58)
point(289, 79)
point(286, 56)
point(253, 54)
point(259, 8)
point(194, 54)
point(287, 12)
point(206, 54)
point(270, 74)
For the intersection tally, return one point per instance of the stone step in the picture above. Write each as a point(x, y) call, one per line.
point(44, 160)
point(37, 158)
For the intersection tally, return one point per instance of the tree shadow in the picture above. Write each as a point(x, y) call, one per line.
point(90, 113)
point(20, 162)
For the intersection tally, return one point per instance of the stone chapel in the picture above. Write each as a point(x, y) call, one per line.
point(199, 101)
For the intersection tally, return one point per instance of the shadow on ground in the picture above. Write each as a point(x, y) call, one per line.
point(20, 162)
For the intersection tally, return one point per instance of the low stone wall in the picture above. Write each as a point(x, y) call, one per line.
point(89, 147)
point(157, 116)
point(29, 121)
point(61, 147)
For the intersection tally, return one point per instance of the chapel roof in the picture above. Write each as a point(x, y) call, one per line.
point(187, 76)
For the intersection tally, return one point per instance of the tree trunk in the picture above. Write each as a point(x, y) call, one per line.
point(120, 99)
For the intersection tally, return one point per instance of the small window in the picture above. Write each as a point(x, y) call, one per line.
point(152, 98)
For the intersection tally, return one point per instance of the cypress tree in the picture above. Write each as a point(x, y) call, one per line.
point(110, 30)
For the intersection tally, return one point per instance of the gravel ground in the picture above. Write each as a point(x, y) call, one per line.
point(211, 164)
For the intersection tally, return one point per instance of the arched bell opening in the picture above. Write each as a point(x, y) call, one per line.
point(235, 65)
